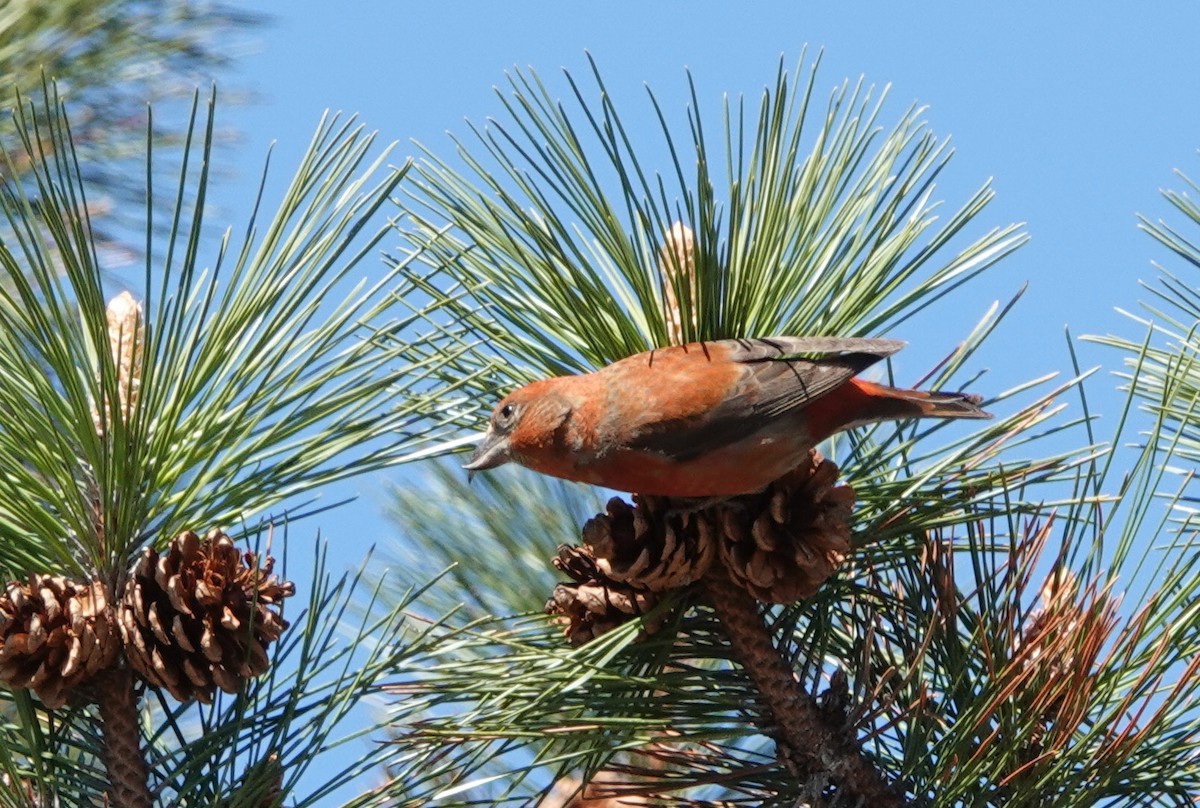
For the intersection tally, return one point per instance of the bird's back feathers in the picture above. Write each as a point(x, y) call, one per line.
point(775, 376)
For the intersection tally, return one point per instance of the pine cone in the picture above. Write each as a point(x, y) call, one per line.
point(648, 545)
point(56, 634)
point(593, 604)
point(781, 544)
point(201, 615)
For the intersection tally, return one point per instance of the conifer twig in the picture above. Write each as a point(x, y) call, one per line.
point(122, 753)
point(808, 744)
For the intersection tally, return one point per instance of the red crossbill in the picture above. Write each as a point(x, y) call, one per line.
point(708, 419)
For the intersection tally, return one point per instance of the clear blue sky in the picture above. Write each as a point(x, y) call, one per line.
point(1078, 111)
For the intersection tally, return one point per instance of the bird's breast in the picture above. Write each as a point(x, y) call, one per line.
point(740, 468)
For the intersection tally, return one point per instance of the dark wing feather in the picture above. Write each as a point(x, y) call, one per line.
point(786, 373)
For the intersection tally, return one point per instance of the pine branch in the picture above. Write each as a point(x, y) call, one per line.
point(550, 242)
point(139, 427)
point(812, 748)
point(118, 57)
point(122, 752)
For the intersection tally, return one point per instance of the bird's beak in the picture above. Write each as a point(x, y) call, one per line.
point(492, 451)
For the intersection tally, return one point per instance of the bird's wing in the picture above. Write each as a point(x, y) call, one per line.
point(788, 372)
point(779, 374)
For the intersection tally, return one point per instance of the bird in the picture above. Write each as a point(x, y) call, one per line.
point(709, 419)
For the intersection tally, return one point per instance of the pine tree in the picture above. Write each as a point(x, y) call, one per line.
point(998, 621)
point(114, 60)
point(144, 640)
point(991, 619)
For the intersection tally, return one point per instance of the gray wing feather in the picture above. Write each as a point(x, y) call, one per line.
point(753, 350)
point(788, 373)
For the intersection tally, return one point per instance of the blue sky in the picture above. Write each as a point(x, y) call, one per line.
point(1078, 112)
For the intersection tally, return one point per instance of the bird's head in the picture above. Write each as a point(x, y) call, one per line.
point(523, 423)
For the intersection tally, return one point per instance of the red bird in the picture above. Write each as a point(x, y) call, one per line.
point(709, 419)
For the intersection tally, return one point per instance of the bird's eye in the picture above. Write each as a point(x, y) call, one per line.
point(505, 416)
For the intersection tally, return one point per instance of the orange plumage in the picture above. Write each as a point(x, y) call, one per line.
point(707, 419)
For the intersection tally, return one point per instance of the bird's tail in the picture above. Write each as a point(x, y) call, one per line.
point(887, 403)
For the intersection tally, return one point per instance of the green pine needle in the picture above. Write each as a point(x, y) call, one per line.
point(548, 243)
point(264, 375)
point(547, 246)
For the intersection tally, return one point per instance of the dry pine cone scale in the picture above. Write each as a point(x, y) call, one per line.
point(55, 634)
point(779, 544)
point(200, 615)
point(592, 604)
point(782, 543)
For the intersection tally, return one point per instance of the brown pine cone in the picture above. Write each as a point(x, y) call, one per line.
point(781, 543)
point(200, 616)
point(648, 545)
point(592, 603)
point(55, 634)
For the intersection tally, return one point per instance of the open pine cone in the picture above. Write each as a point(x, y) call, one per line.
point(200, 616)
point(592, 603)
point(650, 545)
point(781, 543)
point(56, 634)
